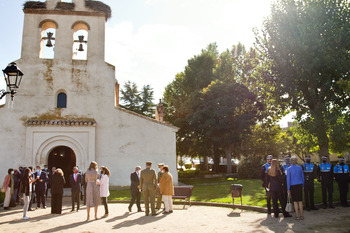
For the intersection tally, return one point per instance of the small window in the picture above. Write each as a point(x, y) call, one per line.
point(61, 100)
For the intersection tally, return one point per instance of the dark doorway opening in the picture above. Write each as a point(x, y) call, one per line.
point(63, 157)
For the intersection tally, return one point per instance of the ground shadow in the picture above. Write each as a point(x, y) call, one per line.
point(139, 221)
point(65, 227)
point(235, 214)
point(125, 215)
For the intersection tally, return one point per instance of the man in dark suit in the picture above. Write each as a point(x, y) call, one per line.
point(40, 186)
point(75, 182)
point(135, 191)
point(148, 184)
point(159, 195)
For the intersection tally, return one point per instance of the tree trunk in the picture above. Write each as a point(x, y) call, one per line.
point(320, 131)
point(205, 163)
point(216, 158)
point(228, 152)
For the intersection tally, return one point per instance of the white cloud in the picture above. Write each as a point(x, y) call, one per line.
point(153, 54)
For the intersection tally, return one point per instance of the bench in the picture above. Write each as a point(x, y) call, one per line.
point(184, 193)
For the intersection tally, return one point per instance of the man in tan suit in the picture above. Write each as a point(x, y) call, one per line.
point(148, 185)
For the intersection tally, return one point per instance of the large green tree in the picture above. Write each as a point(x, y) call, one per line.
point(225, 112)
point(306, 45)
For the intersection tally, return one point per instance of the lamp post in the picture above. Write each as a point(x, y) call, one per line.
point(13, 77)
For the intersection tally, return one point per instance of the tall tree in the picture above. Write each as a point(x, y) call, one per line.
point(225, 113)
point(146, 104)
point(307, 44)
point(137, 101)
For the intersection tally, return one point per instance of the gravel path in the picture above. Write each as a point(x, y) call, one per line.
point(192, 219)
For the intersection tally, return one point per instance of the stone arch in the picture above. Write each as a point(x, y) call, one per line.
point(80, 25)
point(80, 40)
point(48, 23)
point(42, 154)
point(47, 42)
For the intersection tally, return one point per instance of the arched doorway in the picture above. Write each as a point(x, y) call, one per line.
point(62, 157)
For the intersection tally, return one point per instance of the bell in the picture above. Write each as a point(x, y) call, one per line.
point(81, 49)
point(49, 37)
point(49, 43)
point(81, 38)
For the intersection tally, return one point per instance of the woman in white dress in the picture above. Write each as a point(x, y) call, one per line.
point(104, 188)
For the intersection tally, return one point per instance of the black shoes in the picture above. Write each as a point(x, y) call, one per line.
point(287, 215)
point(314, 208)
point(307, 208)
point(324, 207)
point(332, 206)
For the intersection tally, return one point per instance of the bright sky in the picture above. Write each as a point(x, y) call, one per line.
point(149, 41)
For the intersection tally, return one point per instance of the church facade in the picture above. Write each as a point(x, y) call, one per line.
point(66, 111)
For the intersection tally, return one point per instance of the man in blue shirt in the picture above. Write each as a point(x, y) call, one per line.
point(263, 177)
point(341, 174)
point(309, 176)
point(325, 174)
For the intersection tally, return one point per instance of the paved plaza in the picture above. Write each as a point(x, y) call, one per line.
point(192, 219)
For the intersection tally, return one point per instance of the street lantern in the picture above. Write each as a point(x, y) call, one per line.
point(13, 77)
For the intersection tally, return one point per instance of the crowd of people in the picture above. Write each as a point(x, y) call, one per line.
point(288, 182)
point(27, 186)
point(150, 184)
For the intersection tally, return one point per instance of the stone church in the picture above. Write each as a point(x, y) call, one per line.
point(66, 111)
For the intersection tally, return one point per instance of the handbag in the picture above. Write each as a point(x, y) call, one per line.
point(289, 206)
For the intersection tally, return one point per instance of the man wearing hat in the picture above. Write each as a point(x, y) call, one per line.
point(309, 176)
point(263, 176)
point(325, 174)
point(341, 174)
point(159, 196)
point(148, 184)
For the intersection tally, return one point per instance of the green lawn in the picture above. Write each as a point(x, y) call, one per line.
point(218, 190)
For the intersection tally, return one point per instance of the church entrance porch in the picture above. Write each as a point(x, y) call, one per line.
point(62, 157)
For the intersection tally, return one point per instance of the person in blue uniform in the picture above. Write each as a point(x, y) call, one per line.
point(341, 174)
point(309, 176)
point(325, 176)
point(263, 177)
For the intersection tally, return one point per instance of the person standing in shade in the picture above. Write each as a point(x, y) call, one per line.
point(284, 170)
point(8, 188)
point(104, 188)
point(341, 174)
point(295, 184)
point(166, 188)
point(32, 198)
point(159, 195)
point(92, 190)
point(325, 174)
point(263, 177)
point(75, 183)
point(134, 189)
point(26, 187)
point(40, 186)
point(57, 184)
point(275, 178)
point(309, 176)
point(148, 184)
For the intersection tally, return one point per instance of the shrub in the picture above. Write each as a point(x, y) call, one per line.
point(249, 168)
point(197, 167)
point(188, 165)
